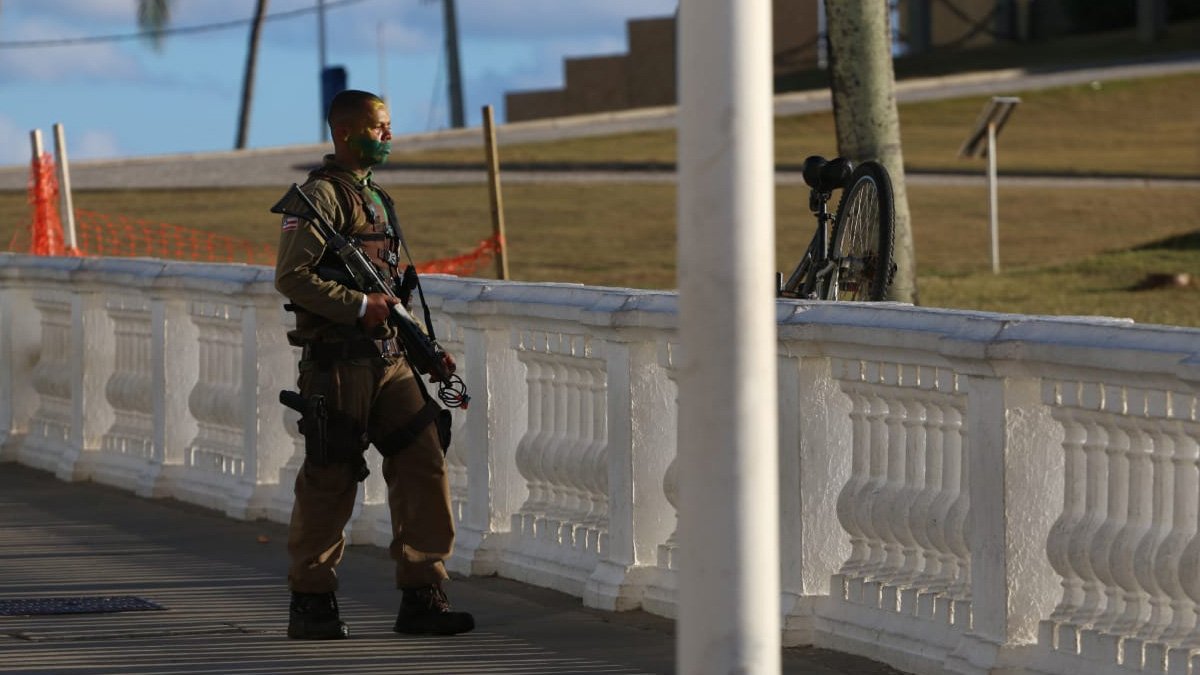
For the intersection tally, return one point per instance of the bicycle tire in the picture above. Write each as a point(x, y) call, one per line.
point(863, 236)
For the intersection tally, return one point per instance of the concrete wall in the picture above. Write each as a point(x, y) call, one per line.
point(960, 492)
point(645, 75)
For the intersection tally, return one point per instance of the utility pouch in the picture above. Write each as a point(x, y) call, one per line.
point(443, 422)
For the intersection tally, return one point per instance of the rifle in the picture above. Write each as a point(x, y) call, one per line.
point(422, 350)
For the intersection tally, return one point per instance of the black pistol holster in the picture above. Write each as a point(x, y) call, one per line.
point(329, 436)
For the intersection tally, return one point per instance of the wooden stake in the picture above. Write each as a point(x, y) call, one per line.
point(497, 201)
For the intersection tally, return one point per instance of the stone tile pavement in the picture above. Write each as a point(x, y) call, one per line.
point(220, 583)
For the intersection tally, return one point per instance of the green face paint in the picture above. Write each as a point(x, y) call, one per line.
point(372, 151)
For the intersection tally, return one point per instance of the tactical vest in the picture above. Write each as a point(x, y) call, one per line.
point(381, 244)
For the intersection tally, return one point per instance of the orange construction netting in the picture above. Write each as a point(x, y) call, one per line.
point(467, 263)
point(98, 234)
point(46, 238)
point(102, 235)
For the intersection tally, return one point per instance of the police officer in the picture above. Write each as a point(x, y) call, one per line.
point(352, 360)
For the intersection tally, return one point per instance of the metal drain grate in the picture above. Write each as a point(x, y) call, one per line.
point(97, 605)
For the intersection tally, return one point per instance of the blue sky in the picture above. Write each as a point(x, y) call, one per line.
point(125, 98)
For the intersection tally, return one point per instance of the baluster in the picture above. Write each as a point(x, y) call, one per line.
point(1135, 599)
point(596, 460)
point(593, 459)
point(566, 472)
point(581, 500)
point(51, 423)
point(877, 411)
point(958, 563)
point(944, 505)
point(886, 515)
point(1168, 562)
point(557, 445)
point(527, 455)
point(1082, 539)
point(928, 507)
point(128, 387)
point(912, 524)
point(1189, 563)
point(1071, 520)
point(851, 494)
point(1102, 551)
point(1160, 518)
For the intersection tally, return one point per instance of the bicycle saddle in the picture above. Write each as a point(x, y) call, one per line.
point(826, 175)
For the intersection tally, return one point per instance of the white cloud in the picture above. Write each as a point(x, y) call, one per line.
point(416, 25)
point(14, 143)
point(88, 144)
point(94, 144)
point(116, 11)
point(555, 18)
point(102, 61)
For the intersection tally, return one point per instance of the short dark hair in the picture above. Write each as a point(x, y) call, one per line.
point(348, 105)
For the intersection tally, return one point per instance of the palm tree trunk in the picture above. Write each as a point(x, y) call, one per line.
point(864, 110)
point(260, 11)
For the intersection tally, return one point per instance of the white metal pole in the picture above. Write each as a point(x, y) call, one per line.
point(992, 180)
point(728, 596)
point(35, 143)
point(64, 187)
point(321, 66)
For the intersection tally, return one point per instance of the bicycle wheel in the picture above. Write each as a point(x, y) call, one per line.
point(863, 235)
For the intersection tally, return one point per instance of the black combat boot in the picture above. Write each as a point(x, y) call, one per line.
point(424, 610)
point(314, 616)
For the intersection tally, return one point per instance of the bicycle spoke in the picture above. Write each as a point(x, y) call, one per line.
point(863, 236)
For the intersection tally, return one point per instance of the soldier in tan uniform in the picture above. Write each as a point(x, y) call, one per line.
point(352, 361)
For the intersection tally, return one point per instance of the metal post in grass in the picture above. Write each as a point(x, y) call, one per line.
point(982, 142)
point(728, 596)
point(495, 197)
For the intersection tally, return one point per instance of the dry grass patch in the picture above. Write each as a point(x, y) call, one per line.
point(1062, 251)
point(1132, 127)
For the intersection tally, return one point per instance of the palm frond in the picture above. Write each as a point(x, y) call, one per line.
point(153, 16)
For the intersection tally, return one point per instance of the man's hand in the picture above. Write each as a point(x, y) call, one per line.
point(379, 308)
point(451, 366)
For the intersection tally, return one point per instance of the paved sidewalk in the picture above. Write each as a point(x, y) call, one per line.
point(225, 605)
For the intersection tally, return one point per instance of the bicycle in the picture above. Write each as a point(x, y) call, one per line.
point(854, 262)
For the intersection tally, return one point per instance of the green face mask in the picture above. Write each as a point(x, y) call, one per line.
point(371, 150)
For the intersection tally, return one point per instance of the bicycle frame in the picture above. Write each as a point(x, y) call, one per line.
point(817, 272)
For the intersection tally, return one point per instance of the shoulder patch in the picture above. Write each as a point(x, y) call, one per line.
point(290, 223)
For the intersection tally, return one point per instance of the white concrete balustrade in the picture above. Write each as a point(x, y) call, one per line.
point(959, 491)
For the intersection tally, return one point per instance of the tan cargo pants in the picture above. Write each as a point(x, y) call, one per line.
point(384, 393)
